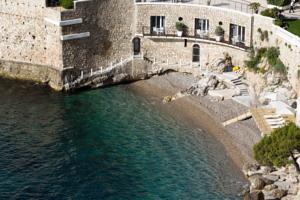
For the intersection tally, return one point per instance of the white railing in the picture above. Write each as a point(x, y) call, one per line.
point(99, 72)
point(238, 5)
point(287, 36)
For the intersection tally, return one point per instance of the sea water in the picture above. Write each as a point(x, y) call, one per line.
point(104, 144)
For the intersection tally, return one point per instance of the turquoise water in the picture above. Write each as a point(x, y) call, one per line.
point(104, 144)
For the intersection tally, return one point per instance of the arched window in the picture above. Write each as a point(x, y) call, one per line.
point(196, 53)
point(136, 46)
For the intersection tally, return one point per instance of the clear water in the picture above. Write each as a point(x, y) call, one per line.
point(104, 144)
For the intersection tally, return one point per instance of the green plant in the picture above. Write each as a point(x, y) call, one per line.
point(276, 149)
point(273, 13)
point(279, 2)
point(254, 6)
point(68, 4)
point(272, 55)
point(219, 31)
point(180, 26)
point(279, 22)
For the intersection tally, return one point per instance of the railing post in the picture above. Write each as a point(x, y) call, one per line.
point(101, 70)
point(81, 74)
point(180, 64)
point(91, 71)
point(154, 61)
point(167, 62)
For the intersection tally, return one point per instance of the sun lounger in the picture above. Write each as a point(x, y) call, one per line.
point(279, 120)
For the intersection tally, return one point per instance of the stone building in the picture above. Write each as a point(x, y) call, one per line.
point(41, 41)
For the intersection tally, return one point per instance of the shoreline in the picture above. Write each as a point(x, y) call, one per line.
point(237, 138)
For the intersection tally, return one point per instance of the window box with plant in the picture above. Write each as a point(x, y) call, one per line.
point(219, 32)
point(67, 4)
point(180, 27)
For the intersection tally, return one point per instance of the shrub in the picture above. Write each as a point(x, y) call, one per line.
point(279, 22)
point(273, 13)
point(272, 55)
point(180, 26)
point(68, 4)
point(275, 150)
point(219, 31)
point(279, 2)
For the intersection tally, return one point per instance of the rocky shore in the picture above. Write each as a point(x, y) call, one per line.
point(268, 183)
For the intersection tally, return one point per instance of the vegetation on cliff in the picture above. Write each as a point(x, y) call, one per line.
point(271, 55)
point(279, 2)
point(278, 148)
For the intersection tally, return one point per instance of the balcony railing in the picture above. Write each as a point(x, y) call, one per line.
point(238, 5)
point(195, 35)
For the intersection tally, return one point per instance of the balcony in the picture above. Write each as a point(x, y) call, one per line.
point(238, 5)
point(197, 36)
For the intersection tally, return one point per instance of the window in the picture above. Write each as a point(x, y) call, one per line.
point(237, 33)
point(201, 27)
point(196, 53)
point(157, 24)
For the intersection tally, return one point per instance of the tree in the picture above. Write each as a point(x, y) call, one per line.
point(276, 149)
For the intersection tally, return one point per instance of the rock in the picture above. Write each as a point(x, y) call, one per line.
point(120, 77)
point(257, 182)
point(283, 185)
point(271, 177)
point(254, 195)
point(270, 187)
point(293, 189)
point(289, 197)
point(266, 169)
point(247, 168)
point(279, 193)
point(273, 79)
point(167, 99)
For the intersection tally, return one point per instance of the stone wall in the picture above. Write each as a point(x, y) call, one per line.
point(289, 51)
point(172, 12)
point(111, 27)
point(173, 51)
point(26, 38)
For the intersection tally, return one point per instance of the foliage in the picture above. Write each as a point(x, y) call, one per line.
point(219, 31)
point(264, 35)
point(254, 6)
point(272, 55)
point(279, 2)
point(279, 22)
point(275, 150)
point(68, 4)
point(273, 13)
point(180, 26)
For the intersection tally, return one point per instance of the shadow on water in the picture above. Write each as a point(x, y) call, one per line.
point(104, 144)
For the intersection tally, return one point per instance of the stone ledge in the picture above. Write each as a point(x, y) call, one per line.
point(75, 36)
point(65, 22)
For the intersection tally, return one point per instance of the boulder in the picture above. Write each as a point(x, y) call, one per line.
point(257, 182)
point(254, 195)
point(270, 187)
point(250, 168)
point(283, 185)
point(271, 177)
point(279, 193)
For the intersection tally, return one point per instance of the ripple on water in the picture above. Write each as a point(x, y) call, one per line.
point(104, 144)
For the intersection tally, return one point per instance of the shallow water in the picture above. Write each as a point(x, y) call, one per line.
point(104, 144)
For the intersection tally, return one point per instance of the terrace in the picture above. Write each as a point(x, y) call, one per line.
point(238, 5)
point(236, 41)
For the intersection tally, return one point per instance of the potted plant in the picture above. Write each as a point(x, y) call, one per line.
point(180, 28)
point(219, 33)
point(254, 6)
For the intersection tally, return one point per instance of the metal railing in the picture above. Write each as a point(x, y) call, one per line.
point(172, 33)
point(242, 6)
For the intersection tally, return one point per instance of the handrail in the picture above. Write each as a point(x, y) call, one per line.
point(229, 4)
